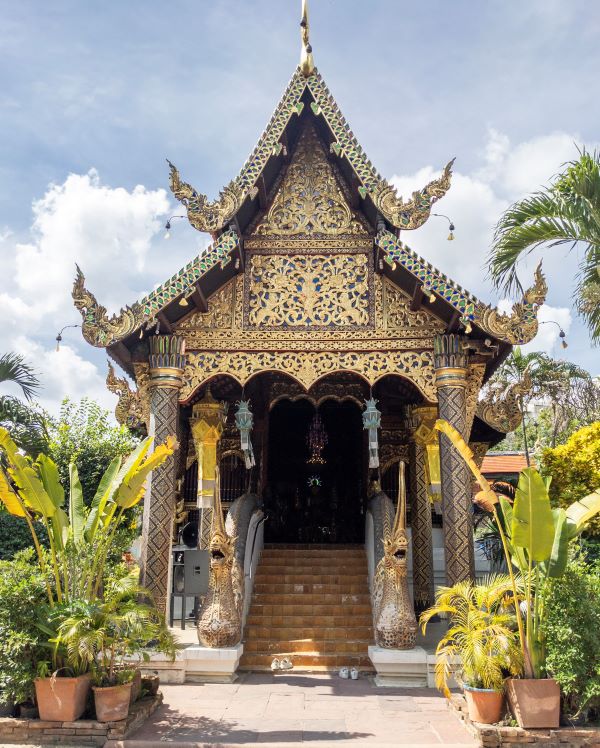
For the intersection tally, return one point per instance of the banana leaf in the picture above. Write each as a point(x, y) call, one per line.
point(532, 521)
point(131, 490)
point(7, 444)
point(581, 512)
point(31, 488)
point(51, 479)
point(103, 495)
point(557, 563)
point(9, 498)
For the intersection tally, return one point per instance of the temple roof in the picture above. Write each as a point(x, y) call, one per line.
point(307, 102)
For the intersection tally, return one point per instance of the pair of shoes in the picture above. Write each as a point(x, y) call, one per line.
point(283, 664)
point(349, 673)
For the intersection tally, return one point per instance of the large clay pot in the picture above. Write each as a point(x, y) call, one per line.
point(112, 702)
point(136, 686)
point(62, 699)
point(485, 706)
point(534, 702)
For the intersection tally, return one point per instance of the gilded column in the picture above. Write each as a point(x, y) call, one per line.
point(451, 363)
point(422, 420)
point(208, 419)
point(167, 360)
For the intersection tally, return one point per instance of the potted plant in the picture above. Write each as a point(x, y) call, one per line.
point(105, 634)
point(482, 637)
point(73, 569)
point(535, 540)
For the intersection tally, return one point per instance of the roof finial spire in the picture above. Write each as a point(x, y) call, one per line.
point(307, 64)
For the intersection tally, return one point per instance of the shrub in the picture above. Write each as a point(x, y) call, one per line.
point(575, 470)
point(22, 591)
point(571, 625)
point(15, 535)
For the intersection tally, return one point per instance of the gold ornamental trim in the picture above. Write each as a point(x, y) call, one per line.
point(451, 377)
point(166, 376)
point(308, 368)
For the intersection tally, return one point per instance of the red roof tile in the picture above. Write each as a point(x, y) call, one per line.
point(504, 463)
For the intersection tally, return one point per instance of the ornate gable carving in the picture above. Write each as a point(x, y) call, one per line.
point(220, 311)
point(397, 315)
point(309, 201)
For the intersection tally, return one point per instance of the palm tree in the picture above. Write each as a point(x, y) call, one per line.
point(551, 381)
point(25, 424)
point(565, 212)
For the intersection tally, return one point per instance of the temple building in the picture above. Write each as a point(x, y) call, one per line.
point(305, 353)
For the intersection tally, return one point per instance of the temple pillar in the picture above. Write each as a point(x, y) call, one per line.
point(451, 363)
point(422, 537)
point(207, 422)
point(167, 360)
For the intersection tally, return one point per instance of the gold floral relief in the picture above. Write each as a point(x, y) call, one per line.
point(309, 200)
point(220, 311)
point(295, 291)
point(398, 315)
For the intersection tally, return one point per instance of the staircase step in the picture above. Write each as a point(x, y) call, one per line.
point(267, 646)
point(282, 633)
point(340, 598)
point(309, 620)
point(317, 588)
point(297, 577)
point(307, 661)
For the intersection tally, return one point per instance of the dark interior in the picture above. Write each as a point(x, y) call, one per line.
point(315, 503)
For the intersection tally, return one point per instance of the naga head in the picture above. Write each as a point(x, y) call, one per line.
point(395, 547)
point(221, 545)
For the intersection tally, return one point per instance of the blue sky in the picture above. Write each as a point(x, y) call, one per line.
point(95, 95)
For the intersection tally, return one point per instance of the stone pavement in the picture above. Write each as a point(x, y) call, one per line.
point(289, 709)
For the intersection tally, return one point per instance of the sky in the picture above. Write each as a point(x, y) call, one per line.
point(95, 95)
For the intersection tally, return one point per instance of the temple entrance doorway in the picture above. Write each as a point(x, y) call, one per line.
point(316, 473)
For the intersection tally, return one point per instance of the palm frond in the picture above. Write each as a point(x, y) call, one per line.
point(13, 368)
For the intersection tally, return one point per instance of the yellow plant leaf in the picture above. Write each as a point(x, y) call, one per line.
point(9, 498)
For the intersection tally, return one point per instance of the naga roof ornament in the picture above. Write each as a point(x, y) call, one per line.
point(133, 406)
point(501, 407)
point(98, 328)
point(414, 212)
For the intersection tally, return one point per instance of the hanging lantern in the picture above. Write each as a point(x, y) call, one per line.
point(316, 441)
point(372, 421)
point(244, 420)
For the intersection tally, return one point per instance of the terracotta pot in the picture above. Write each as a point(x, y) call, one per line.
point(112, 703)
point(62, 699)
point(485, 705)
point(534, 702)
point(136, 686)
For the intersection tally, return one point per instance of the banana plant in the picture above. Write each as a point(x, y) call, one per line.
point(535, 539)
point(32, 490)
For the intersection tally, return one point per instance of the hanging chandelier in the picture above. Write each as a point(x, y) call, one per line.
point(316, 441)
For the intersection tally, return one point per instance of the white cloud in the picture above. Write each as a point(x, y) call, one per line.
point(109, 233)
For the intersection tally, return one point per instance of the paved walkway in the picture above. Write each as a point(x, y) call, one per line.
point(289, 709)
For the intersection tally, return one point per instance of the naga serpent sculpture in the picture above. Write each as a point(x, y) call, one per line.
point(394, 618)
point(220, 623)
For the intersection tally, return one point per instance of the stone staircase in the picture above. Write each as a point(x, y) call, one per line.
point(310, 603)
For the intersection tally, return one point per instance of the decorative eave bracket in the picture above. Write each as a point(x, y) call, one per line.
point(502, 409)
point(101, 331)
point(516, 328)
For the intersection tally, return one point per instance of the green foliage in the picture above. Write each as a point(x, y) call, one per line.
point(85, 436)
point(482, 633)
point(571, 627)
point(22, 591)
point(15, 535)
point(575, 470)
